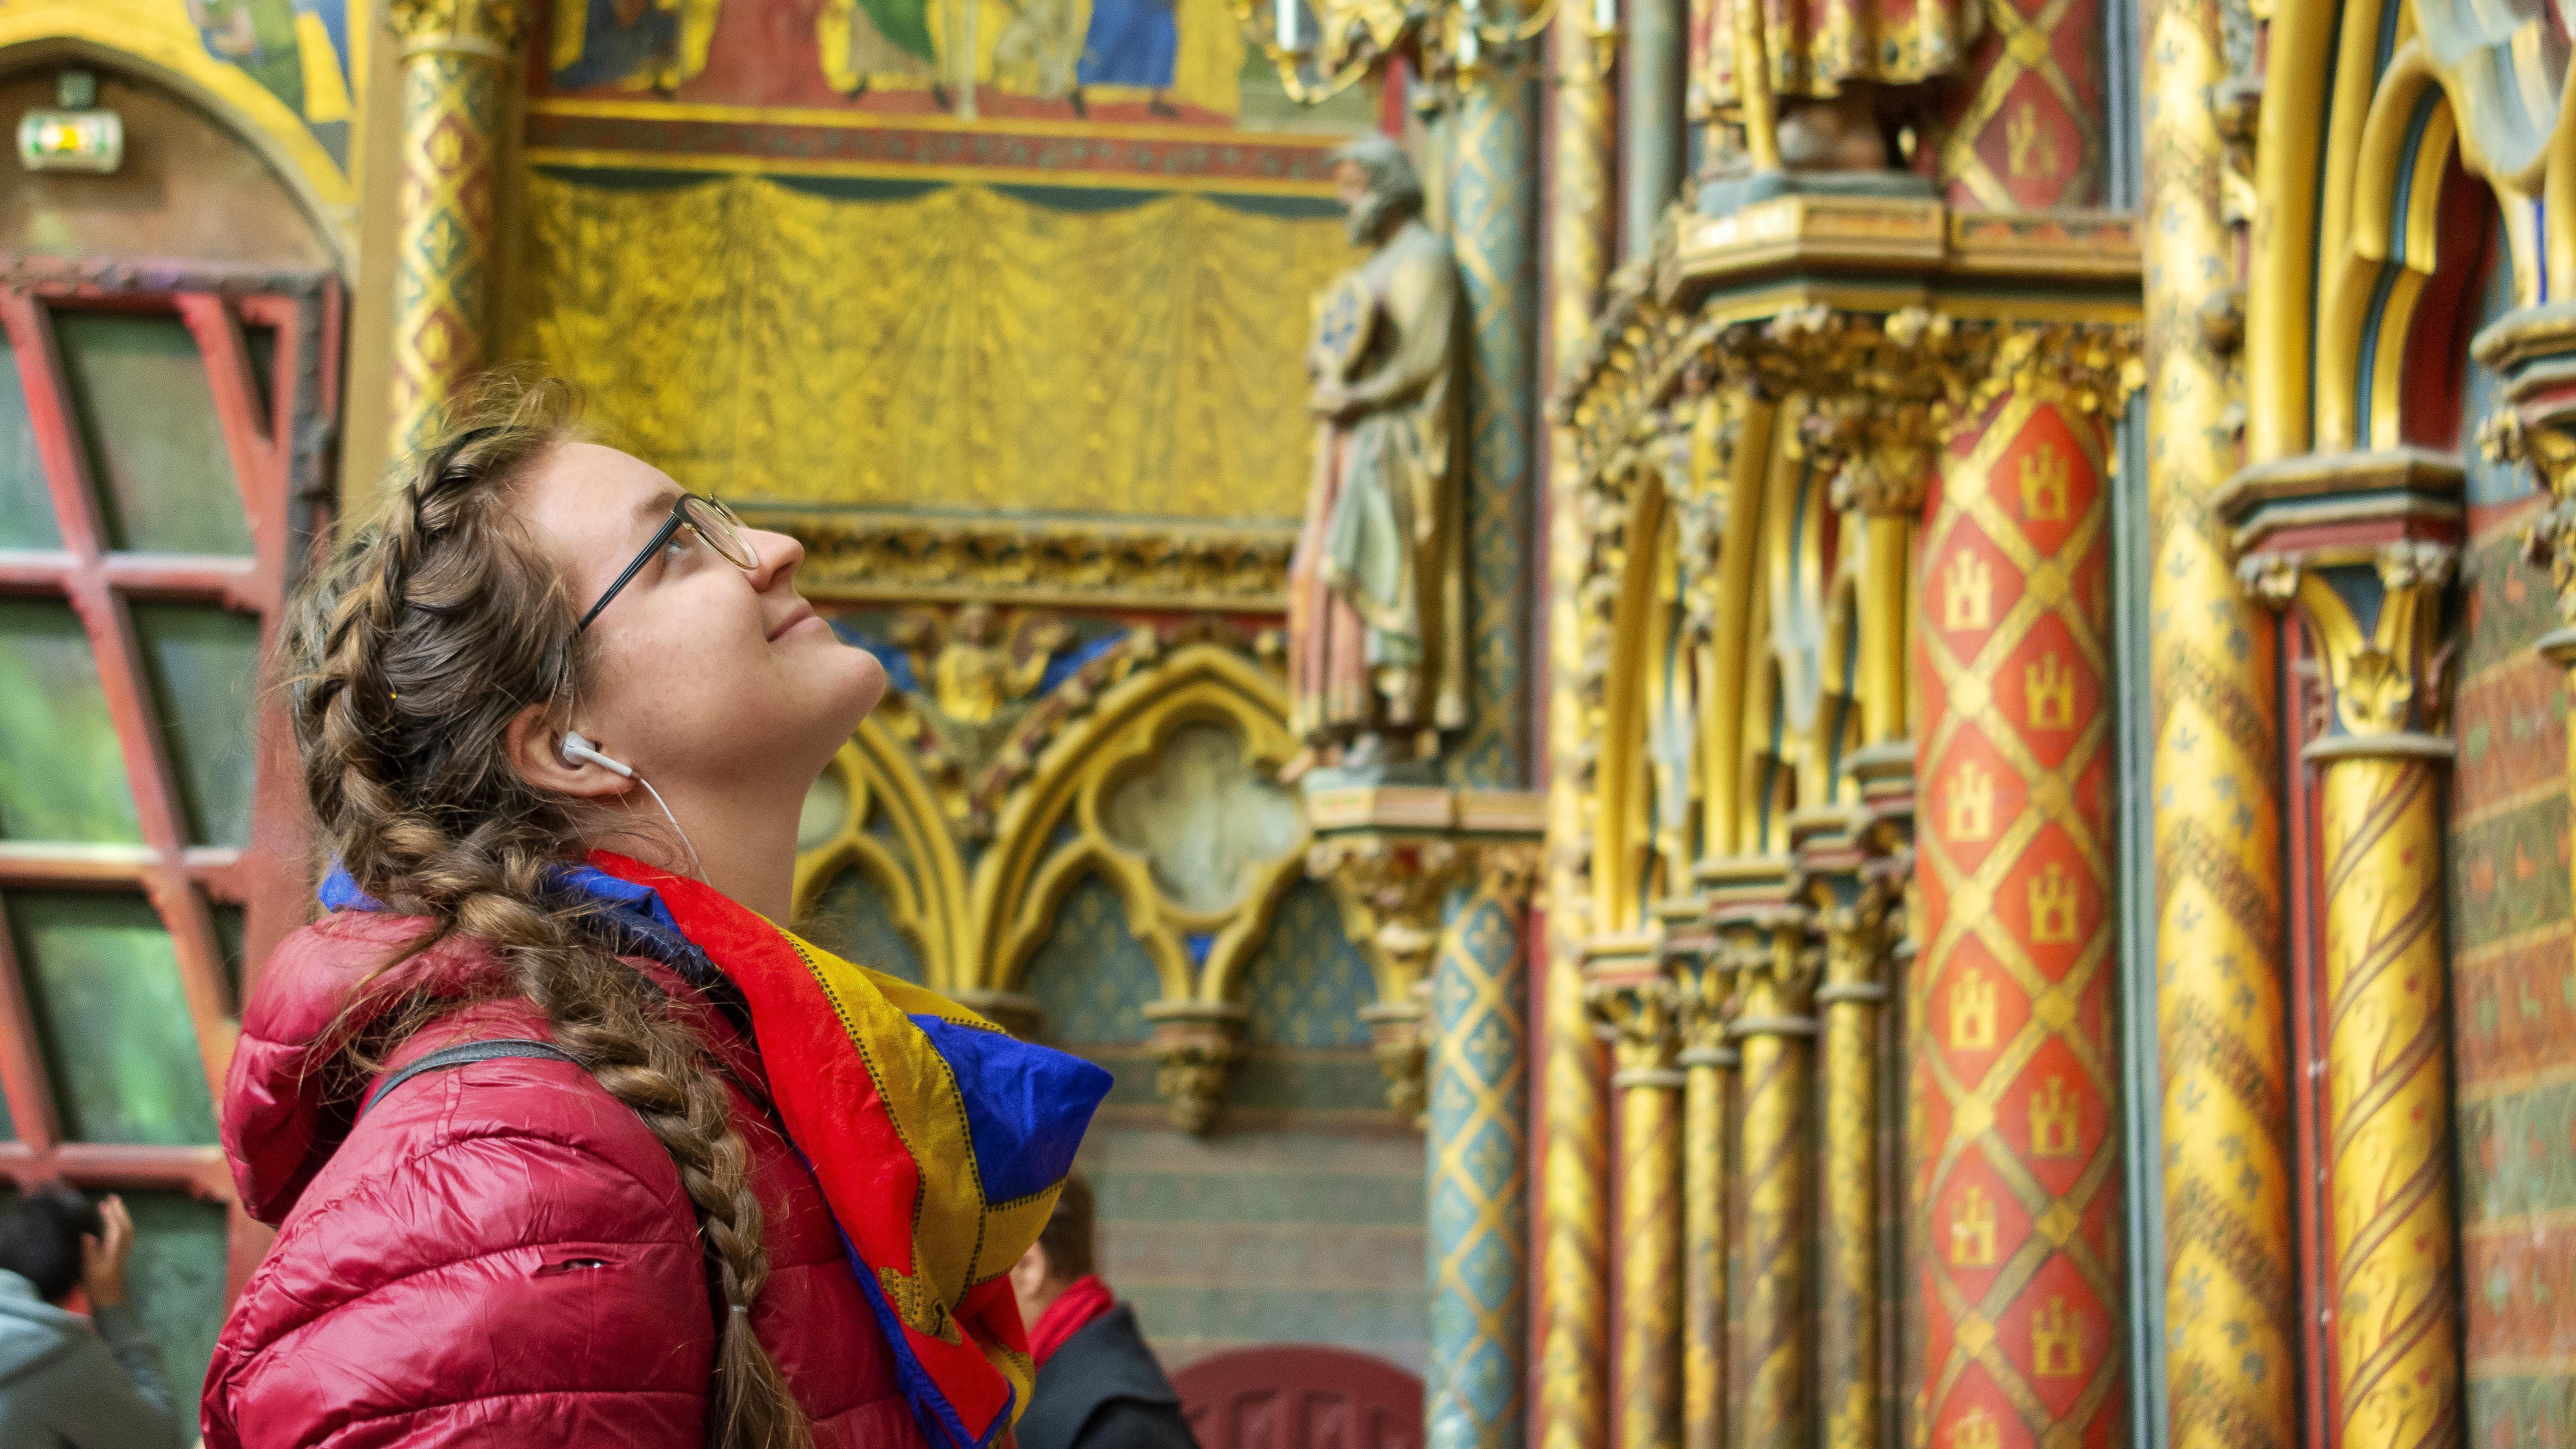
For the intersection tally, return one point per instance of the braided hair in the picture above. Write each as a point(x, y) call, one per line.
point(410, 655)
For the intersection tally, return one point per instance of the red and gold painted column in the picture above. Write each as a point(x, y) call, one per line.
point(1847, 1320)
point(456, 59)
point(2015, 1167)
point(1776, 1032)
point(2363, 545)
point(1572, 1249)
point(1635, 1006)
point(1708, 1069)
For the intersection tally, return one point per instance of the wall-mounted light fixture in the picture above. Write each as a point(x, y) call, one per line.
point(77, 134)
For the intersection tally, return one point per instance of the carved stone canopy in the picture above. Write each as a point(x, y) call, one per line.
point(2534, 352)
point(1198, 1042)
point(1393, 855)
point(2363, 545)
point(492, 28)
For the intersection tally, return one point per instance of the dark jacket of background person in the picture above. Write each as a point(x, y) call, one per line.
point(65, 1380)
point(1099, 1386)
point(502, 1253)
point(1105, 1390)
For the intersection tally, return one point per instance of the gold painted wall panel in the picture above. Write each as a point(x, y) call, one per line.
point(959, 349)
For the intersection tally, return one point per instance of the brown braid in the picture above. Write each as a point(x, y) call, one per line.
point(429, 632)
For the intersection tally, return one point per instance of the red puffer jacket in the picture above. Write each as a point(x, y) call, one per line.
point(501, 1253)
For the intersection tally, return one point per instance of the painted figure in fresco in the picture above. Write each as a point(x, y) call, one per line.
point(1135, 43)
point(1376, 611)
point(1040, 52)
point(1826, 64)
point(259, 36)
point(298, 50)
point(632, 44)
point(865, 41)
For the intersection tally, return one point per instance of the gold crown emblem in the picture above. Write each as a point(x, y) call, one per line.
point(2052, 1120)
point(2049, 687)
point(1967, 593)
point(1972, 1230)
point(1975, 1430)
point(1972, 802)
point(2044, 485)
point(2052, 907)
point(1972, 1012)
point(2055, 1351)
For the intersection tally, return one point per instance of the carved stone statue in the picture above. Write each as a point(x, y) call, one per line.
point(1376, 594)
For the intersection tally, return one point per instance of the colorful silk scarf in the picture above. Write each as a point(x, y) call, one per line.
point(940, 1141)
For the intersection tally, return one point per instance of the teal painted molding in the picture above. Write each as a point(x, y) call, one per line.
point(2141, 1061)
point(1493, 207)
point(1477, 1184)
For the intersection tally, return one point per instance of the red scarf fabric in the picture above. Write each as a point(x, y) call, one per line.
point(1075, 1309)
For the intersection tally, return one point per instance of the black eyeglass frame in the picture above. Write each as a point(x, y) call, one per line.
point(725, 523)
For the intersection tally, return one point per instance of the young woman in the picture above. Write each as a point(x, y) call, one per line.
point(567, 1144)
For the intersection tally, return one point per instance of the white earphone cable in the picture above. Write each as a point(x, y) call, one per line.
point(576, 749)
point(675, 826)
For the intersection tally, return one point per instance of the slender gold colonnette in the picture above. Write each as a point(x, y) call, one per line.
point(1574, 1301)
point(2373, 616)
point(1776, 1034)
point(1847, 1336)
point(2230, 1282)
point(2396, 1327)
point(1708, 1066)
point(1640, 1019)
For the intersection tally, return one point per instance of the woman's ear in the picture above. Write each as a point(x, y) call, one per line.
point(534, 745)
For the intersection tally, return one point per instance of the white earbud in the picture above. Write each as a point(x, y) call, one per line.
point(576, 749)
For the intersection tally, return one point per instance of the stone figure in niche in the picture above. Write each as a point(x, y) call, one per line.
point(1376, 589)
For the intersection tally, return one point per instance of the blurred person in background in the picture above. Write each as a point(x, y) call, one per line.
point(1099, 1386)
point(65, 1380)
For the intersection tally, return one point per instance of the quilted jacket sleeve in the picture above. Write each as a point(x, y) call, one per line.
point(500, 1254)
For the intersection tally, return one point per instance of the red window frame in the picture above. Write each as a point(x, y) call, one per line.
point(280, 455)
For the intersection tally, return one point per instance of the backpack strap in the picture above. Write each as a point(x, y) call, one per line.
point(466, 1054)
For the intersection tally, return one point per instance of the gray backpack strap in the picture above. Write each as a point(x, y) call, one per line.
point(466, 1054)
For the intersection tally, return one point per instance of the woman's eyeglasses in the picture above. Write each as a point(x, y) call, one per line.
point(712, 522)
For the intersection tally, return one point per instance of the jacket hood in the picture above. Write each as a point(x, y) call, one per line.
point(282, 1118)
point(32, 1331)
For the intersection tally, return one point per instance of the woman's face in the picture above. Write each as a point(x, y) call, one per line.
point(700, 673)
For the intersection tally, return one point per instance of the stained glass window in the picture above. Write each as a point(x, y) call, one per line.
point(131, 705)
point(154, 440)
point(104, 983)
point(26, 518)
point(204, 664)
point(62, 777)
